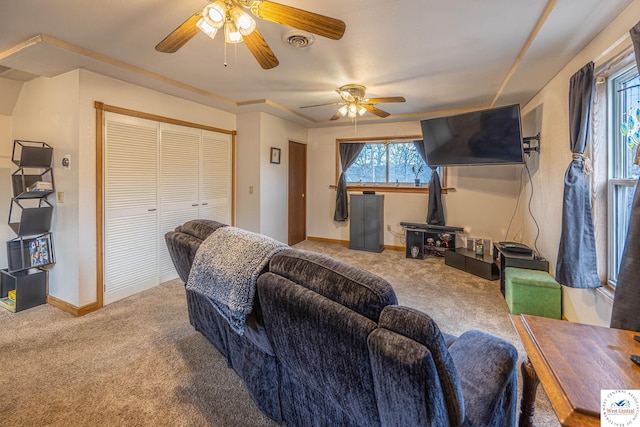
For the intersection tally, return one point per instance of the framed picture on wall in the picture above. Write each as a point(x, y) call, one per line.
point(275, 155)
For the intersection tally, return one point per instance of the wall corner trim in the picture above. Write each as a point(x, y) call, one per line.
point(70, 308)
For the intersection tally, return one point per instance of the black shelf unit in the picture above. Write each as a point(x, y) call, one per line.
point(424, 240)
point(467, 260)
point(30, 217)
point(30, 287)
point(27, 220)
point(25, 183)
point(506, 259)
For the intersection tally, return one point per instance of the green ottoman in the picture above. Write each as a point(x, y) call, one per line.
point(532, 292)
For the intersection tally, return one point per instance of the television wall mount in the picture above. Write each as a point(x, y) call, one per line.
point(526, 144)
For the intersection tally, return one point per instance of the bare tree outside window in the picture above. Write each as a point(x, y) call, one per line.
point(387, 162)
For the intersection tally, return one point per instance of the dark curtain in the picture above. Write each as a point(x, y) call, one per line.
point(419, 144)
point(626, 304)
point(576, 265)
point(435, 212)
point(349, 152)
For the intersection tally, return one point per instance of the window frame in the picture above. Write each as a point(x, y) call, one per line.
point(624, 71)
point(386, 187)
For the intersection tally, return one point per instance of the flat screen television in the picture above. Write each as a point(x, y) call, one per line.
point(486, 137)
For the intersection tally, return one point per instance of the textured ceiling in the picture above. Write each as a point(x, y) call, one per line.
point(440, 55)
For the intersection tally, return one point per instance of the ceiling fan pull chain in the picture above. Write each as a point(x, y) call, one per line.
point(225, 54)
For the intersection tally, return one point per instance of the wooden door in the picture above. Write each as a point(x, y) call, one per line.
point(297, 192)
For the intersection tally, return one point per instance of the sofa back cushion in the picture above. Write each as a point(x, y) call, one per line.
point(322, 344)
point(420, 328)
point(350, 286)
point(200, 228)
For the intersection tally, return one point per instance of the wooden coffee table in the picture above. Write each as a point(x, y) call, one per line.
point(573, 362)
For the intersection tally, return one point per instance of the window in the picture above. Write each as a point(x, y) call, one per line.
point(623, 172)
point(389, 163)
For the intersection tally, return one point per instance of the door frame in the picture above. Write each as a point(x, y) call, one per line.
point(101, 108)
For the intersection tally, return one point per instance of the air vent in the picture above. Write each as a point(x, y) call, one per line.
point(298, 39)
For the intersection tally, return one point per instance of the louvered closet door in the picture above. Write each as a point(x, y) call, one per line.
point(216, 179)
point(179, 179)
point(130, 195)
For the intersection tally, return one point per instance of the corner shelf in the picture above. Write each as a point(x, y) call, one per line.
point(32, 154)
point(28, 183)
point(30, 287)
point(30, 218)
point(30, 252)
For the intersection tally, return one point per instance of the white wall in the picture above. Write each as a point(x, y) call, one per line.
point(266, 210)
point(274, 212)
point(47, 111)
point(248, 172)
point(482, 198)
point(579, 305)
point(6, 168)
point(60, 111)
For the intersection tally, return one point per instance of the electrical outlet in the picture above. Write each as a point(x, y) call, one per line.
point(60, 195)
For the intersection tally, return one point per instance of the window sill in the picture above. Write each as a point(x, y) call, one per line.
point(406, 188)
point(606, 292)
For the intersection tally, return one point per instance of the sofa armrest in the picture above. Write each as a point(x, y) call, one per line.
point(486, 366)
point(184, 241)
point(407, 386)
point(182, 249)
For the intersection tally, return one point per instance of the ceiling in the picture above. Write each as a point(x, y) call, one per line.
point(442, 56)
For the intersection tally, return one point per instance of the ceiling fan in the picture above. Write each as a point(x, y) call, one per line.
point(354, 103)
point(238, 26)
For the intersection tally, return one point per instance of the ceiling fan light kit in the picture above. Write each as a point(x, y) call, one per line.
point(239, 26)
point(354, 103)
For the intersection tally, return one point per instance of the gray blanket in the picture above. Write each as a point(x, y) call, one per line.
point(226, 268)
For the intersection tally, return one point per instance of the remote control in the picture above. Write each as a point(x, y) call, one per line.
point(635, 359)
point(637, 338)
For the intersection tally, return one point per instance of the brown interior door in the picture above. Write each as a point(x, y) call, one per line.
point(297, 192)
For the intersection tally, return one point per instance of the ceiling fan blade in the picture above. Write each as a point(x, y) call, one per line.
point(336, 116)
point(181, 35)
point(378, 112)
point(386, 99)
point(261, 50)
point(301, 19)
point(322, 105)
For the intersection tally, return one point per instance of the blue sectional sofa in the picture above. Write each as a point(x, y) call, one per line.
point(326, 344)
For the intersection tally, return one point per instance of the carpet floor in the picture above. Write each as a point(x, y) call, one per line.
point(138, 361)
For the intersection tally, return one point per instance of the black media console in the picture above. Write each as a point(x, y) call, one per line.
point(424, 239)
point(467, 260)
